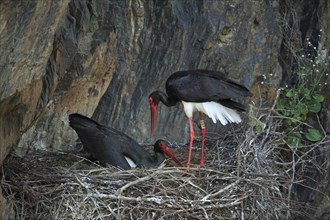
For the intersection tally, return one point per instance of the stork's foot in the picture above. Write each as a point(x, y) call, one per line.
point(201, 162)
point(188, 170)
point(201, 165)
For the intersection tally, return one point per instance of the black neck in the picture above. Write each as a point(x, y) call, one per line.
point(150, 161)
point(158, 158)
point(168, 101)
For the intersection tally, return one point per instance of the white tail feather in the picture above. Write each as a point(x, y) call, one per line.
point(223, 114)
point(214, 110)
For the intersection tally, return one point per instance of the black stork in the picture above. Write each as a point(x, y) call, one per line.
point(116, 148)
point(205, 91)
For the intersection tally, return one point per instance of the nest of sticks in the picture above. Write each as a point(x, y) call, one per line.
point(245, 177)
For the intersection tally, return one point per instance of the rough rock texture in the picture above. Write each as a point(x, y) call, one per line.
point(146, 42)
point(161, 37)
point(103, 58)
point(27, 35)
point(76, 72)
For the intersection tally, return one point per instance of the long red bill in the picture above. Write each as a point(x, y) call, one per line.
point(168, 152)
point(153, 110)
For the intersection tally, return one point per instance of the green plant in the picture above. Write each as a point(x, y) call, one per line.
point(297, 104)
point(302, 100)
point(94, 21)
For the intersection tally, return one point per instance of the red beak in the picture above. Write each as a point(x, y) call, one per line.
point(168, 152)
point(153, 110)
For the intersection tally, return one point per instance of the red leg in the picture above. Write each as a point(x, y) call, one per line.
point(203, 131)
point(192, 133)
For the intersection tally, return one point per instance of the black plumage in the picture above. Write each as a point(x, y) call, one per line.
point(206, 91)
point(206, 86)
point(109, 145)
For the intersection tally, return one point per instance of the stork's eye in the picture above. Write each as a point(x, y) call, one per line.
point(151, 101)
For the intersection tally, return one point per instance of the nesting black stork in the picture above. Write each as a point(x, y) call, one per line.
point(116, 148)
point(205, 91)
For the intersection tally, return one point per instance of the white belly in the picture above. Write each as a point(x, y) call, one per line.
point(214, 110)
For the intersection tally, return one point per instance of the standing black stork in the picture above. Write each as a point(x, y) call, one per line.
point(116, 148)
point(205, 91)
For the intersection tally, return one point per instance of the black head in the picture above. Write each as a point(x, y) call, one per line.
point(154, 99)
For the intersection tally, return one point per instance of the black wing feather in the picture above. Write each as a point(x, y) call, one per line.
point(203, 85)
point(106, 144)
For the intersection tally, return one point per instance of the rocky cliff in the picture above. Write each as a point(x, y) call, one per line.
point(103, 58)
point(120, 51)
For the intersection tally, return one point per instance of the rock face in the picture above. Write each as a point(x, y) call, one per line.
point(55, 67)
point(125, 49)
point(103, 58)
point(27, 35)
point(161, 37)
